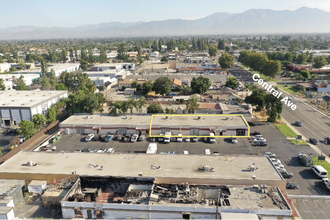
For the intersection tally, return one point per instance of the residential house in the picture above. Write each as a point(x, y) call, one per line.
point(177, 84)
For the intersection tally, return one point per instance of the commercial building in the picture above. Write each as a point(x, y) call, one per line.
point(197, 125)
point(9, 79)
point(158, 186)
point(113, 66)
point(4, 67)
point(111, 73)
point(16, 106)
point(60, 68)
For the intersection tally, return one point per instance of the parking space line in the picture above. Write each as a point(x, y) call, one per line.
point(308, 209)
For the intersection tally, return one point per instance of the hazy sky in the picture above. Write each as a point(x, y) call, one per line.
point(69, 13)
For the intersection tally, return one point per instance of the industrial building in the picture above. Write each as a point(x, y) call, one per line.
point(16, 106)
point(9, 79)
point(157, 186)
point(187, 125)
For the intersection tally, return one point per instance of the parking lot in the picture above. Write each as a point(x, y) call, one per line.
point(313, 208)
point(287, 152)
point(5, 140)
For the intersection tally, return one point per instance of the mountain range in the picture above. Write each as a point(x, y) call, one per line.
point(253, 21)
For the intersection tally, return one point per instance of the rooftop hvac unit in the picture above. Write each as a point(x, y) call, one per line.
point(263, 188)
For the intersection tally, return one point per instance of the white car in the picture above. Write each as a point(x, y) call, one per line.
point(21, 138)
point(187, 139)
point(269, 154)
point(179, 139)
point(234, 140)
point(89, 137)
point(185, 152)
point(110, 150)
point(278, 166)
point(134, 137)
point(101, 151)
point(207, 151)
point(258, 138)
point(275, 160)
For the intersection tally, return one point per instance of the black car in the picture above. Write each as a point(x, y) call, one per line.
point(286, 174)
point(255, 133)
point(8, 131)
point(102, 137)
point(313, 141)
point(298, 123)
point(291, 185)
point(152, 139)
point(96, 138)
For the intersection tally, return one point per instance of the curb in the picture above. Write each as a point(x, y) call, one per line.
point(309, 197)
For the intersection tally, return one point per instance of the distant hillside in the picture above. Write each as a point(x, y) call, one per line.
point(254, 21)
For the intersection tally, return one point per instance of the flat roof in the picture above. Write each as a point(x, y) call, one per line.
point(130, 165)
point(6, 185)
point(57, 67)
point(16, 76)
point(199, 120)
point(29, 98)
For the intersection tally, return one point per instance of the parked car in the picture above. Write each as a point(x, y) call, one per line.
point(179, 139)
point(313, 141)
point(278, 166)
point(110, 150)
point(269, 154)
point(96, 138)
point(134, 137)
point(21, 138)
point(161, 139)
point(275, 160)
point(290, 185)
point(286, 174)
point(89, 137)
point(207, 151)
point(216, 153)
point(298, 123)
point(260, 143)
point(101, 151)
point(152, 139)
point(108, 138)
point(187, 139)
point(194, 139)
point(255, 133)
point(8, 131)
point(142, 137)
point(126, 138)
point(102, 137)
point(185, 152)
point(258, 138)
point(119, 137)
point(233, 140)
point(205, 139)
point(88, 149)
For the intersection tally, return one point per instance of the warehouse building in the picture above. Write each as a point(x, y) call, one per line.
point(158, 186)
point(9, 79)
point(16, 106)
point(187, 125)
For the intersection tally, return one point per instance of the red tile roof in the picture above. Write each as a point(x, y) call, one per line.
point(212, 106)
point(177, 82)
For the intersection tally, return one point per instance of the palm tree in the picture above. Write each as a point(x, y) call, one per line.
point(192, 104)
point(115, 107)
point(142, 102)
point(124, 107)
point(132, 104)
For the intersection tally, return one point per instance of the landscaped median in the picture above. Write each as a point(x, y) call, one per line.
point(325, 164)
point(289, 89)
point(289, 133)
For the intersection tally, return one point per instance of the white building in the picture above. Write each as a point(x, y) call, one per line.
point(110, 73)
point(9, 79)
point(154, 54)
point(4, 67)
point(60, 68)
point(16, 106)
point(104, 81)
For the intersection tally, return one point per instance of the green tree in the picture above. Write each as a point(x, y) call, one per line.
point(328, 59)
point(232, 82)
point(200, 85)
point(147, 57)
point(162, 85)
point(313, 77)
point(213, 50)
point(12, 69)
point(51, 114)
point(39, 120)
point(44, 66)
point(131, 104)
point(45, 83)
point(257, 98)
point(305, 74)
point(221, 44)
point(226, 61)
point(114, 108)
point(1, 151)
point(274, 107)
point(136, 85)
point(2, 84)
point(164, 59)
point(302, 58)
point(155, 108)
point(84, 65)
point(61, 86)
point(63, 55)
point(271, 68)
point(124, 107)
point(122, 52)
point(53, 79)
point(186, 90)
point(21, 85)
point(147, 87)
point(192, 104)
point(27, 129)
point(170, 111)
point(320, 62)
point(103, 55)
point(141, 103)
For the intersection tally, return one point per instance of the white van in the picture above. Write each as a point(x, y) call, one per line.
point(212, 138)
point(320, 171)
point(167, 137)
point(207, 151)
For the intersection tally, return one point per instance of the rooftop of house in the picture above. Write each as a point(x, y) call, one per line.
point(230, 167)
point(177, 82)
point(27, 98)
point(212, 106)
point(6, 185)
